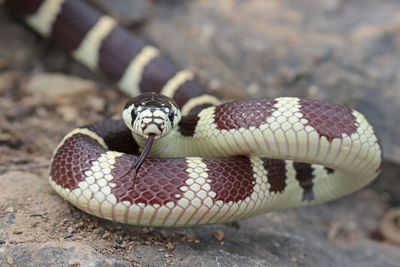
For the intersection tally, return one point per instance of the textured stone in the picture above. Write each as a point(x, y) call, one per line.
point(58, 254)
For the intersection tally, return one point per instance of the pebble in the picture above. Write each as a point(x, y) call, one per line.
point(219, 235)
point(10, 261)
point(69, 113)
point(10, 209)
point(170, 246)
point(106, 235)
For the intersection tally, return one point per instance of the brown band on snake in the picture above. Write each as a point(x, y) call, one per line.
point(276, 169)
point(154, 185)
point(117, 51)
point(244, 114)
point(116, 136)
point(187, 125)
point(232, 179)
point(156, 74)
point(187, 90)
point(73, 159)
point(304, 174)
point(23, 7)
point(199, 108)
point(72, 24)
point(328, 120)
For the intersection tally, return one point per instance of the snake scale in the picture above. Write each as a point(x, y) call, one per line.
point(222, 162)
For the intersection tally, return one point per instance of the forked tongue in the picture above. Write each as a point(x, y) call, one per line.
point(145, 152)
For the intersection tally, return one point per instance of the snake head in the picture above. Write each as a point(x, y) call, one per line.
point(151, 114)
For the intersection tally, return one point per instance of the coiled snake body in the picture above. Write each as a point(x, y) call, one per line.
point(222, 162)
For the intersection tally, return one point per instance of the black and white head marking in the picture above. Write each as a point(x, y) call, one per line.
point(151, 114)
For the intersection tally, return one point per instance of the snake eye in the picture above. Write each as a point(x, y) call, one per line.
point(134, 114)
point(171, 116)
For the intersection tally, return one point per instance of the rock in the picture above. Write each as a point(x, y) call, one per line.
point(69, 113)
point(287, 238)
point(7, 80)
point(57, 88)
point(388, 185)
point(57, 254)
point(5, 223)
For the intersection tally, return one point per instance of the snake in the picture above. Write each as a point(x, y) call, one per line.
point(207, 161)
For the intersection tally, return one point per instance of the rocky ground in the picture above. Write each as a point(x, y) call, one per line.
point(345, 52)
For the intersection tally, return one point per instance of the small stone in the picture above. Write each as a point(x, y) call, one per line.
point(106, 235)
point(219, 235)
point(69, 113)
point(215, 84)
point(169, 255)
point(3, 63)
point(170, 246)
point(10, 209)
point(192, 238)
point(7, 80)
point(10, 261)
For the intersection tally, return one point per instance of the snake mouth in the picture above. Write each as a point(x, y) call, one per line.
point(152, 129)
point(154, 136)
point(153, 132)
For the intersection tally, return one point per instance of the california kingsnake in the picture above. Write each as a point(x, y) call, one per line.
point(281, 140)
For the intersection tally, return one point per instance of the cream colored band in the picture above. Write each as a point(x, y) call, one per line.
point(83, 131)
point(130, 81)
point(88, 50)
point(200, 100)
point(44, 18)
point(173, 84)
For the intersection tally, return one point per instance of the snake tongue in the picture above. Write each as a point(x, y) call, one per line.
point(145, 152)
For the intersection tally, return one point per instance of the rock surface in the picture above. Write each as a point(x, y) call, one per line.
point(342, 51)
